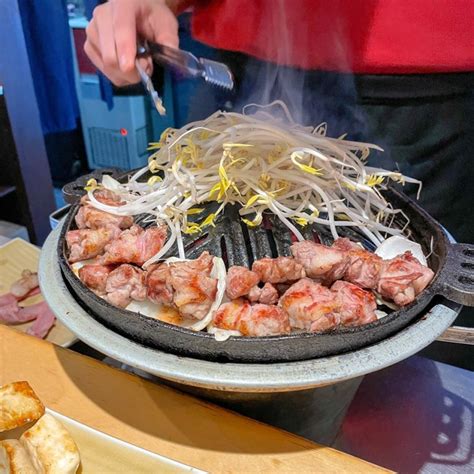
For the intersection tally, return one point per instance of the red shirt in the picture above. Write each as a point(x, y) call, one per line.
point(361, 36)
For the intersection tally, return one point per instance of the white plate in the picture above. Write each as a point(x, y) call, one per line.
point(106, 454)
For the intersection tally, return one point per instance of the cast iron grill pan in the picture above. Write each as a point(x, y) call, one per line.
point(239, 245)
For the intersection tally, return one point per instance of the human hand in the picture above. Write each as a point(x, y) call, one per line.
point(114, 30)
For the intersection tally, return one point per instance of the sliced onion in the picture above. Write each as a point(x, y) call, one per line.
point(222, 335)
point(397, 245)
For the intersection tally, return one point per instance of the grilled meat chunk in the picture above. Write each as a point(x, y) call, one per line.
point(364, 266)
point(266, 295)
point(403, 278)
point(88, 243)
point(124, 284)
point(135, 245)
point(324, 264)
point(94, 276)
point(105, 196)
point(159, 288)
point(314, 307)
point(257, 320)
point(89, 217)
point(310, 306)
point(356, 306)
point(240, 281)
point(194, 289)
point(278, 270)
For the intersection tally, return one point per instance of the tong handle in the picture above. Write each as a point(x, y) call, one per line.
point(183, 61)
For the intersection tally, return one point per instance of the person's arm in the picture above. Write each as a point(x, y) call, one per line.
point(115, 27)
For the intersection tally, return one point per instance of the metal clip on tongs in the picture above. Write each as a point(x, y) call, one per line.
point(185, 63)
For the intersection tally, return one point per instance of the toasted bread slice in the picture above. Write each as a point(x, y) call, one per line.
point(51, 447)
point(19, 405)
point(17, 458)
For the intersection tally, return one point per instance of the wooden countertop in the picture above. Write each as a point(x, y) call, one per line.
point(159, 418)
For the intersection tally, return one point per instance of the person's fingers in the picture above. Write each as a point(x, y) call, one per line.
point(95, 57)
point(91, 46)
point(125, 33)
point(113, 31)
point(102, 20)
point(161, 26)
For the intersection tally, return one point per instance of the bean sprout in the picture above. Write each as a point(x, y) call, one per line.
point(298, 173)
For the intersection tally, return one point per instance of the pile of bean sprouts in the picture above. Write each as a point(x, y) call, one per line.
point(298, 173)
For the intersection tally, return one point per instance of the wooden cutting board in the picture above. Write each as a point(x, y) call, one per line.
point(160, 419)
point(18, 255)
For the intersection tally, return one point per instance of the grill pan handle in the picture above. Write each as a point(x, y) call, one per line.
point(458, 335)
point(72, 192)
point(456, 281)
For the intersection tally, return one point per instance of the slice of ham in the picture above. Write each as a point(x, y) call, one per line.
point(9, 312)
point(7, 299)
point(44, 319)
point(14, 314)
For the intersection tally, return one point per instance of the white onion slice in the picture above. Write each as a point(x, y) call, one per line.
point(76, 266)
point(397, 245)
point(222, 335)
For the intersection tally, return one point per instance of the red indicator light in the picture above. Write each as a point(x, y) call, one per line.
point(123, 132)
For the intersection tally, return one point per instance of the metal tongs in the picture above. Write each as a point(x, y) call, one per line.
point(185, 63)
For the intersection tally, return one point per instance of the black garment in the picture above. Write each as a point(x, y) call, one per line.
point(425, 123)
